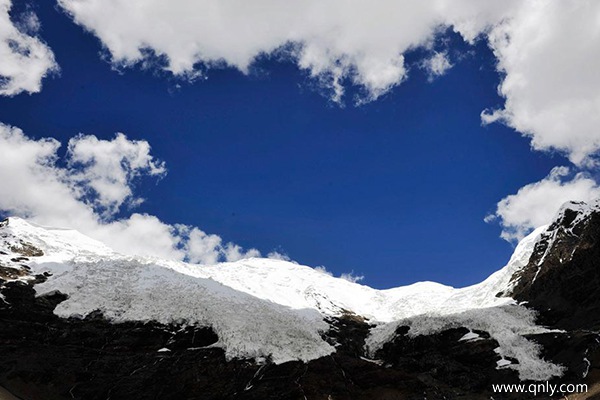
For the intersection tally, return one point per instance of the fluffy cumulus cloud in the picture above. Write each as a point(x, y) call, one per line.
point(336, 42)
point(546, 49)
point(24, 59)
point(437, 65)
point(105, 168)
point(548, 53)
point(537, 203)
point(90, 189)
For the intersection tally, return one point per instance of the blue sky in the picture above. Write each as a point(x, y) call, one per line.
point(395, 189)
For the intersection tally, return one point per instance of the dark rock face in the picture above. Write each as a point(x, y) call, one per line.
point(562, 282)
point(46, 357)
point(443, 357)
point(26, 249)
point(576, 350)
point(348, 334)
point(562, 278)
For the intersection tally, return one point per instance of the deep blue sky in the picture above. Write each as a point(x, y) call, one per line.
point(396, 189)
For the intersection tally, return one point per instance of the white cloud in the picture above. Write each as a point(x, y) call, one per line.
point(337, 41)
point(33, 185)
point(24, 59)
point(106, 168)
point(536, 204)
point(200, 246)
point(322, 269)
point(437, 65)
point(348, 276)
point(548, 52)
point(275, 255)
point(351, 277)
point(233, 252)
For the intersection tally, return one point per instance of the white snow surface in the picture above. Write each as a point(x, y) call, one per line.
point(133, 288)
point(469, 336)
point(507, 324)
point(583, 210)
point(272, 308)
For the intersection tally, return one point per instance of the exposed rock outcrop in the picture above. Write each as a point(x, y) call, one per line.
point(562, 279)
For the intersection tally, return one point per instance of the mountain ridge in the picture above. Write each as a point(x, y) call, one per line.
point(267, 315)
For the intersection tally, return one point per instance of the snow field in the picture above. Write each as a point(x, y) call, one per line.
point(265, 308)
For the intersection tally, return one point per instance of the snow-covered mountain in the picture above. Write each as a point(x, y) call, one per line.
point(272, 312)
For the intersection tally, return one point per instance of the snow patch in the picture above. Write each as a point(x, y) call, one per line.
point(506, 324)
point(587, 367)
point(502, 363)
point(469, 336)
point(129, 289)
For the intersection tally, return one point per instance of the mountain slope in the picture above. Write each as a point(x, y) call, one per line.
point(136, 289)
point(562, 278)
point(257, 317)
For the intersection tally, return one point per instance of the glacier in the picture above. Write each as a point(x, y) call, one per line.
point(272, 310)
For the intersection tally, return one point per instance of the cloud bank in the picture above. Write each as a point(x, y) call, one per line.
point(546, 49)
point(337, 42)
point(87, 193)
point(546, 53)
point(24, 59)
point(536, 204)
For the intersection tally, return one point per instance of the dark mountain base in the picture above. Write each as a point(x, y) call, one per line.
point(46, 357)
